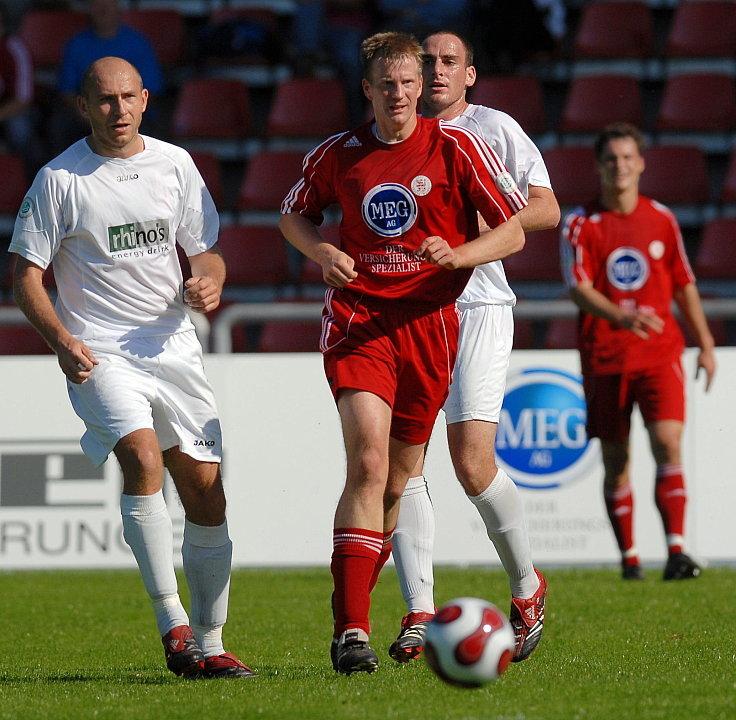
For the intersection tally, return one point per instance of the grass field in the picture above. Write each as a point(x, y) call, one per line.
point(83, 645)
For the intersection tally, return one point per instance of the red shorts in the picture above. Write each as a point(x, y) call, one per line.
point(402, 352)
point(659, 392)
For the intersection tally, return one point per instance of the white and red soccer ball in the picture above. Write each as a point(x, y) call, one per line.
point(469, 642)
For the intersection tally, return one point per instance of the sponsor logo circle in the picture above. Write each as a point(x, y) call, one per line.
point(656, 249)
point(627, 268)
point(421, 185)
point(541, 439)
point(26, 208)
point(389, 209)
point(506, 183)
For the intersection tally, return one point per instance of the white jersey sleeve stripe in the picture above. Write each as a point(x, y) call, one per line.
point(571, 254)
point(678, 237)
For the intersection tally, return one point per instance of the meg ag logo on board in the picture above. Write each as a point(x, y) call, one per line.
point(541, 440)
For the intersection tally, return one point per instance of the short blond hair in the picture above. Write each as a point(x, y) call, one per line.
point(389, 46)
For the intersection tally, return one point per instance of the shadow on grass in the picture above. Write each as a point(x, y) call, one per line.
point(62, 678)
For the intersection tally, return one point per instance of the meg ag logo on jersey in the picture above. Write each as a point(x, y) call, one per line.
point(627, 268)
point(541, 440)
point(389, 209)
point(137, 235)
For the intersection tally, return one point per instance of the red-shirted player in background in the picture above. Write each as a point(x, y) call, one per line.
point(624, 262)
point(408, 189)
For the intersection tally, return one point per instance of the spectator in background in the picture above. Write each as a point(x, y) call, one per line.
point(624, 262)
point(16, 92)
point(107, 36)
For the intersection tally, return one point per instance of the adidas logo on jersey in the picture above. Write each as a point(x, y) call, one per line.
point(353, 142)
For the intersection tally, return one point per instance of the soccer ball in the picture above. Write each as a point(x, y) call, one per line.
point(469, 642)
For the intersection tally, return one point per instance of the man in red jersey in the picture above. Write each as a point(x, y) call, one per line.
point(624, 262)
point(409, 189)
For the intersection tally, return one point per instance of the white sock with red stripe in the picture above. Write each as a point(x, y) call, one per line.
point(413, 543)
point(499, 505)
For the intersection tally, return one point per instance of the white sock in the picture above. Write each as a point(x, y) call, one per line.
point(500, 508)
point(208, 554)
point(147, 530)
point(413, 543)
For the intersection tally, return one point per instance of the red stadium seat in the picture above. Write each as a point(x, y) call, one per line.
point(539, 260)
point(717, 327)
point(573, 174)
point(703, 29)
point(523, 334)
point(595, 101)
point(562, 334)
point(716, 257)
point(520, 96)
point(209, 168)
point(308, 107)
point(45, 32)
point(290, 336)
point(728, 192)
point(615, 30)
point(702, 102)
point(268, 178)
point(212, 108)
point(675, 175)
point(14, 183)
point(164, 28)
point(22, 340)
point(254, 255)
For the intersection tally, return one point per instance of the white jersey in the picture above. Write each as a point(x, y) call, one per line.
point(488, 284)
point(110, 226)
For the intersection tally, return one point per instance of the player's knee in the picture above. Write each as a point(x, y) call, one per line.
point(369, 467)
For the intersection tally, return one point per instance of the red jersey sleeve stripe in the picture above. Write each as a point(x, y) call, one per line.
point(299, 192)
point(678, 238)
point(489, 158)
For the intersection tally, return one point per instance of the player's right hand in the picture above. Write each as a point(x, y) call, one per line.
point(643, 323)
point(76, 360)
point(337, 270)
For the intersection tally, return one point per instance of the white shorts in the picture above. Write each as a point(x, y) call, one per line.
point(479, 377)
point(154, 382)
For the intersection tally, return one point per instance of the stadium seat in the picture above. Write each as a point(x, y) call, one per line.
point(212, 108)
point(254, 255)
point(164, 28)
point(704, 102)
point(728, 191)
point(268, 178)
point(562, 334)
point(290, 336)
point(702, 29)
point(22, 340)
point(539, 260)
point(209, 168)
point(14, 183)
point(717, 327)
point(612, 30)
point(236, 36)
point(520, 96)
point(45, 32)
point(716, 256)
point(594, 101)
point(573, 174)
point(675, 175)
point(523, 334)
point(308, 107)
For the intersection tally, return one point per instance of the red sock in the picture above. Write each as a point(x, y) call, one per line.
point(382, 558)
point(620, 507)
point(354, 556)
point(671, 497)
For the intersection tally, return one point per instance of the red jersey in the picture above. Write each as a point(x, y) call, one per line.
point(16, 70)
point(394, 195)
point(637, 261)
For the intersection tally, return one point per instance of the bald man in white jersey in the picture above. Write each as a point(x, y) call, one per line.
point(108, 212)
point(479, 378)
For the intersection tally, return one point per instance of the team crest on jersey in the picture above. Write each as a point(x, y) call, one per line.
point(421, 185)
point(26, 208)
point(627, 268)
point(656, 249)
point(389, 209)
point(506, 183)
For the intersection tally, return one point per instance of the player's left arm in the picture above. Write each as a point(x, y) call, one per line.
point(688, 300)
point(203, 290)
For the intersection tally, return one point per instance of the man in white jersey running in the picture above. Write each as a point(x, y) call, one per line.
point(108, 212)
point(479, 378)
